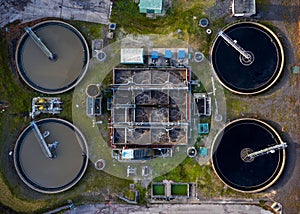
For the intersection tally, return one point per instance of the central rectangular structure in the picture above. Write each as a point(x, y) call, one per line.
point(150, 106)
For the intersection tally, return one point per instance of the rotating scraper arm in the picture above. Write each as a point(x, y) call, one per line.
point(234, 44)
point(40, 44)
point(268, 150)
point(41, 140)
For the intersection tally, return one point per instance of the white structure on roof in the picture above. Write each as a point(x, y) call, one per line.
point(243, 8)
point(132, 55)
point(127, 154)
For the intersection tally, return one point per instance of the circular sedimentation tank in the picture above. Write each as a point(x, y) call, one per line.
point(253, 74)
point(68, 66)
point(51, 175)
point(241, 137)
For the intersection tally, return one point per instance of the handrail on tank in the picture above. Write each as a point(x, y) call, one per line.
point(41, 140)
point(267, 150)
point(40, 44)
point(234, 45)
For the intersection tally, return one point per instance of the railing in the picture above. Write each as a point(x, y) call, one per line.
point(268, 150)
point(41, 140)
point(234, 45)
point(39, 43)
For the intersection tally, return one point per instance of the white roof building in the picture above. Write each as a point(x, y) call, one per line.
point(132, 55)
point(243, 8)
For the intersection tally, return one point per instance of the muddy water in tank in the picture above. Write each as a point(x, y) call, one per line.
point(71, 57)
point(53, 74)
point(57, 172)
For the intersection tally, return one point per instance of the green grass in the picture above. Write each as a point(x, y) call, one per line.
point(179, 189)
point(234, 106)
point(158, 189)
point(66, 98)
point(130, 194)
point(126, 15)
point(208, 183)
point(11, 122)
point(262, 4)
point(88, 29)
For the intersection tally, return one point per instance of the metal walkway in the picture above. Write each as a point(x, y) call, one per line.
point(41, 140)
point(234, 45)
point(265, 151)
point(39, 43)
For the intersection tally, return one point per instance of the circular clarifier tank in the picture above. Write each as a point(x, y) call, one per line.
point(60, 71)
point(251, 62)
point(69, 155)
point(231, 147)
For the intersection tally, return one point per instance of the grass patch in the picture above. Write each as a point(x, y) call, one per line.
point(208, 183)
point(158, 189)
point(130, 194)
point(19, 205)
point(179, 189)
point(142, 198)
point(234, 105)
point(262, 4)
point(11, 121)
point(66, 113)
point(126, 15)
point(89, 29)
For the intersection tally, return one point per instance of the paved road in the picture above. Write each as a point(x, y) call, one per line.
point(168, 209)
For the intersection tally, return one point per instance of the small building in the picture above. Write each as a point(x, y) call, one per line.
point(93, 106)
point(151, 6)
point(203, 151)
point(168, 57)
point(154, 55)
point(203, 104)
point(132, 55)
point(97, 44)
point(203, 128)
point(140, 154)
point(168, 54)
point(296, 69)
point(243, 8)
point(110, 35)
point(181, 54)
